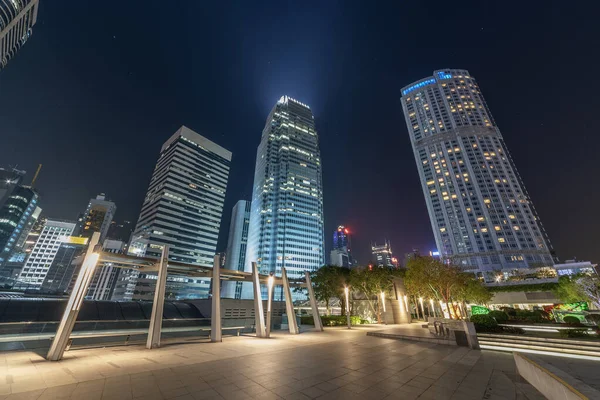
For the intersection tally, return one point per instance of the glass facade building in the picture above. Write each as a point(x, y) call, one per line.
point(43, 253)
point(236, 247)
point(182, 208)
point(286, 217)
point(382, 255)
point(482, 216)
point(17, 18)
point(17, 216)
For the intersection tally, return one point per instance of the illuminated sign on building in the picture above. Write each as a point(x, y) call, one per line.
point(76, 240)
point(418, 86)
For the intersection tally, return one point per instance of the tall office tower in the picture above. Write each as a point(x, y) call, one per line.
point(10, 178)
point(236, 247)
point(183, 208)
point(382, 255)
point(15, 218)
point(341, 253)
point(97, 217)
point(104, 281)
point(66, 264)
point(17, 18)
point(481, 214)
point(286, 217)
point(41, 257)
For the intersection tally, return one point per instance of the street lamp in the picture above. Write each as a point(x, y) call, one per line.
point(383, 300)
point(433, 307)
point(270, 281)
point(347, 292)
point(406, 303)
point(422, 308)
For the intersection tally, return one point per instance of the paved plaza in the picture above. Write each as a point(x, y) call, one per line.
point(335, 364)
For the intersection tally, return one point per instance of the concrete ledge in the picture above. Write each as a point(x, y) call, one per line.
point(413, 338)
point(552, 382)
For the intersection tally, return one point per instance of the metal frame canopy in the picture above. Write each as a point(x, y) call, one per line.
point(163, 267)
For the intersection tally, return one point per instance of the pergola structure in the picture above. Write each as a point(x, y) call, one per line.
point(162, 267)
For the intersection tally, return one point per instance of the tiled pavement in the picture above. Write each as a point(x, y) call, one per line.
point(335, 364)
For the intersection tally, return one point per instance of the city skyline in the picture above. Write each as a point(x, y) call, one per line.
point(353, 94)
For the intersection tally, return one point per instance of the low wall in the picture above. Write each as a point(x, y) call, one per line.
point(551, 381)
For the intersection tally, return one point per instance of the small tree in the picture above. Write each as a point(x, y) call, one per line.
point(568, 290)
point(371, 282)
point(590, 287)
point(328, 282)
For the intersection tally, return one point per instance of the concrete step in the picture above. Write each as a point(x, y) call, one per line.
point(537, 347)
point(492, 336)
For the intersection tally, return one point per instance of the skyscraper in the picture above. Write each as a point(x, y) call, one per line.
point(382, 255)
point(97, 217)
point(41, 257)
point(17, 18)
point(341, 253)
point(236, 247)
point(286, 217)
point(16, 219)
point(183, 208)
point(481, 214)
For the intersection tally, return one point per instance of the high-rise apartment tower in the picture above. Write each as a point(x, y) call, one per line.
point(481, 214)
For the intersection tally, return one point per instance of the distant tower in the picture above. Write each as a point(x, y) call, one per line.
point(236, 247)
point(42, 255)
point(286, 217)
point(481, 214)
point(17, 18)
point(97, 217)
point(183, 208)
point(341, 253)
point(382, 255)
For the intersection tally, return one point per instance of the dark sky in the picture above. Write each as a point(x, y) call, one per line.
point(101, 85)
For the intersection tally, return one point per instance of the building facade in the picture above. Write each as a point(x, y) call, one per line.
point(17, 18)
point(97, 217)
point(382, 255)
point(16, 219)
point(236, 247)
point(183, 209)
point(42, 255)
point(104, 280)
point(286, 217)
point(341, 252)
point(482, 216)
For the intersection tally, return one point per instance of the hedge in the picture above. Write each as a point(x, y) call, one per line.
point(530, 287)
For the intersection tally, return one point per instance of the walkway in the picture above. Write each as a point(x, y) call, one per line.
point(335, 364)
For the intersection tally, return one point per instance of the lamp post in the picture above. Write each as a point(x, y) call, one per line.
point(433, 307)
point(347, 292)
point(422, 308)
point(270, 281)
point(383, 300)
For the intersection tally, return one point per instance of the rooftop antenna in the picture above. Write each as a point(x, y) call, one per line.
point(36, 175)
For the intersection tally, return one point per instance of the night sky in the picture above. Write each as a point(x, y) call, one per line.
point(101, 85)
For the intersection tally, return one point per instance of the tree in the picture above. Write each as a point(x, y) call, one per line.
point(431, 278)
point(568, 290)
point(328, 282)
point(371, 282)
point(590, 287)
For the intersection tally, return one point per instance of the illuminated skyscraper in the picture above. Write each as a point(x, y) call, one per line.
point(341, 253)
point(382, 255)
point(97, 217)
point(182, 208)
point(17, 18)
point(236, 247)
point(286, 217)
point(481, 214)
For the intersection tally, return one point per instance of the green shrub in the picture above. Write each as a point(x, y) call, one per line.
point(569, 319)
point(340, 320)
point(511, 312)
point(484, 323)
point(307, 320)
point(500, 316)
point(512, 330)
point(574, 333)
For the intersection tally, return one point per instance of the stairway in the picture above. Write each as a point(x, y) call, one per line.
point(584, 349)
